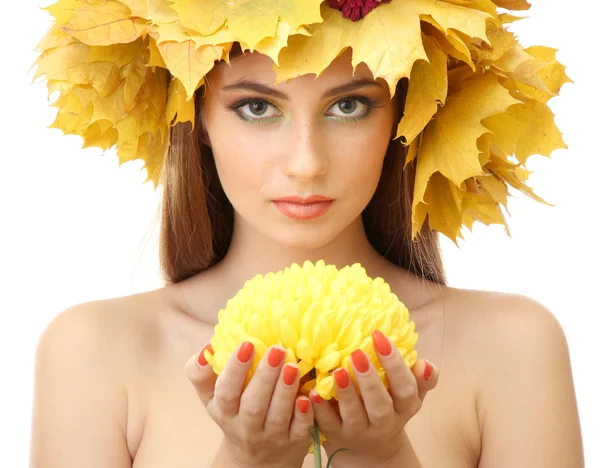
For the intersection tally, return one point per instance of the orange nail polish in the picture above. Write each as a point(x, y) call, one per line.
point(382, 344)
point(276, 356)
point(428, 370)
point(342, 379)
point(303, 406)
point(289, 374)
point(201, 359)
point(315, 397)
point(245, 352)
point(359, 358)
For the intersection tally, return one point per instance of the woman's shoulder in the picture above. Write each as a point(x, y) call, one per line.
point(496, 314)
point(116, 328)
point(516, 356)
point(498, 327)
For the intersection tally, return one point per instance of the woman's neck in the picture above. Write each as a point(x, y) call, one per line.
point(252, 253)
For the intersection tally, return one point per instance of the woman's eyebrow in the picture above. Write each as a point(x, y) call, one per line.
point(248, 85)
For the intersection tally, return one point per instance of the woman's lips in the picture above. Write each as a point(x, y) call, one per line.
point(303, 210)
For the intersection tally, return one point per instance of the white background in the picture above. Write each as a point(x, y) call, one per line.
point(72, 224)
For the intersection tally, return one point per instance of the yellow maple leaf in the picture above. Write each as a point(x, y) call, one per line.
point(525, 129)
point(63, 10)
point(449, 144)
point(155, 59)
point(483, 5)
point(493, 187)
point(317, 50)
point(482, 208)
point(427, 88)
point(136, 74)
point(444, 200)
point(107, 22)
point(178, 107)
point(250, 21)
point(188, 63)
point(552, 75)
point(388, 39)
point(513, 175)
point(272, 46)
point(450, 43)
point(100, 134)
point(506, 18)
point(513, 4)
point(55, 37)
point(157, 11)
point(119, 54)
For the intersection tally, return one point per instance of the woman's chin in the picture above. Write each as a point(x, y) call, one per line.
point(308, 238)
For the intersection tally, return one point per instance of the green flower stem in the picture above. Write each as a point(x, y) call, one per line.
point(316, 437)
point(314, 431)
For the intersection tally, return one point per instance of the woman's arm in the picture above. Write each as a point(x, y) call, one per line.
point(527, 405)
point(79, 404)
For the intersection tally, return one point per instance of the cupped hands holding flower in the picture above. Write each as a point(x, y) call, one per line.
point(339, 337)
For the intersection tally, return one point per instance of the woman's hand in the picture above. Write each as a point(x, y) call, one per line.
point(265, 424)
point(372, 425)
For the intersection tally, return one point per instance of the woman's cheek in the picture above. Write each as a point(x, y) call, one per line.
point(240, 168)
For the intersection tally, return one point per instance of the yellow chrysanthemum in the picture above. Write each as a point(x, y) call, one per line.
point(320, 315)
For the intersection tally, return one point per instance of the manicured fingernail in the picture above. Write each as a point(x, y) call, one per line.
point(201, 359)
point(428, 370)
point(245, 352)
point(359, 358)
point(303, 406)
point(315, 397)
point(341, 378)
point(276, 357)
point(382, 344)
point(289, 374)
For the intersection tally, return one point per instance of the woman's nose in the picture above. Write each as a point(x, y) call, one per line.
point(306, 156)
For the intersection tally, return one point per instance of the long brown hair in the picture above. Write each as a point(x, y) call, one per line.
point(197, 218)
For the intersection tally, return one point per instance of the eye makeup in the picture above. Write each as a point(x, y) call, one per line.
point(249, 115)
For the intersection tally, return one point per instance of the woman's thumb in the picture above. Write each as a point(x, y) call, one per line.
point(201, 374)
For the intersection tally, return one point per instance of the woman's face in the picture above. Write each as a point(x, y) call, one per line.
point(307, 137)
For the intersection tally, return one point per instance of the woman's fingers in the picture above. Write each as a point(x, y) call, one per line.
point(256, 398)
point(377, 400)
point(427, 376)
point(302, 421)
point(200, 373)
point(279, 413)
point(352, 411)
point(326, 415)
point(405, 389)
point(230, 383)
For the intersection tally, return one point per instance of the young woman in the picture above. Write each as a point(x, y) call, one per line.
point(270, 175)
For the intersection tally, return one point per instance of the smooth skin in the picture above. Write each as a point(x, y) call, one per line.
point(263, 423)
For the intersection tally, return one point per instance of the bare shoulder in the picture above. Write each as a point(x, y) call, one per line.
point(84, 365)
point(112, 326)
point(502, 330)
point(519, 359)
point(495, 321)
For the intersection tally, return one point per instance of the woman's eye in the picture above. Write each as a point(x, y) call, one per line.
point(349, 107)
point(254, 109)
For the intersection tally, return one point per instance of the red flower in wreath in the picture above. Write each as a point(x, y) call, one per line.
point(355, 9)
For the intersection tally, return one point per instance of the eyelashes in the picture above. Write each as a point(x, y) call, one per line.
point(258, 110)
